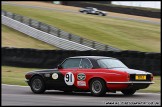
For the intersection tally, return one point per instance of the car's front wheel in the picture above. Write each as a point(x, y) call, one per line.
point(97, 87)
point(128, 91)
point(37, 85)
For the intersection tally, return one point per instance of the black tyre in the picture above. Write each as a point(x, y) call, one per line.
point(97, 87)
point(37, 85)
point(128, 92)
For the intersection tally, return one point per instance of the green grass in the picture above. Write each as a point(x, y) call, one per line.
point(114, 32)
point(153, 87)
point(13, 38)
point(16, 76)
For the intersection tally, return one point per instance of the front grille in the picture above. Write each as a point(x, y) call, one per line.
point(132, 77)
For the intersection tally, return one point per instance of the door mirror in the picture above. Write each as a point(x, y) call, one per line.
point(59, 66)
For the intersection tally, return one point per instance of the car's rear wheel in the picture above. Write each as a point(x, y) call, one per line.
point(128, 91)
point(37, 85)
point(97, 87)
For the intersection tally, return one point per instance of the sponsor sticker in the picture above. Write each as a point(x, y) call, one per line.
point(69, 78)
point(81, 83)
point(81, 76)
point(54, 75)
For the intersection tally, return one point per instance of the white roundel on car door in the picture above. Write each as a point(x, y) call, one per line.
point(54, 75)
point(69, 78)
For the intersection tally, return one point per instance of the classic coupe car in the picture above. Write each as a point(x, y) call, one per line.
point(91, 10)
point(96, 74)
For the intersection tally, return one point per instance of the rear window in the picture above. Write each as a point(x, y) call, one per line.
point(110, 63)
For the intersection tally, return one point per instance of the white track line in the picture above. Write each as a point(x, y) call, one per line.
point(15, 85)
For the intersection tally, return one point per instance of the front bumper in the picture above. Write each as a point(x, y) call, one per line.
point(27, 81)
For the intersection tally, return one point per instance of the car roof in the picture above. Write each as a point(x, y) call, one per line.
point(88, 7)
point(93, 57)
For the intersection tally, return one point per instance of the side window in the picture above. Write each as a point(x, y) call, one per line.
point(71, 63)
point(89, 8)
point(85, 63)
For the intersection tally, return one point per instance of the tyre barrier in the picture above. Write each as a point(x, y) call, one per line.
point(34, 58)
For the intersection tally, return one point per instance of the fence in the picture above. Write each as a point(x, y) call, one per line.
point(58, 32)
point(43, 36)
point(23, 57)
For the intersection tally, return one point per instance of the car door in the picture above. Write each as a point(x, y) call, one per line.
point(84, 73)
point(93, 11)
point(68, 70)
point(89, 10)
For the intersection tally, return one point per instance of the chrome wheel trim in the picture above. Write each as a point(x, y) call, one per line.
point(96, 86)
point(37, 84)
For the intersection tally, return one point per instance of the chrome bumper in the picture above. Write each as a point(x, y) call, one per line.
point(26, 80)
point(132, 82)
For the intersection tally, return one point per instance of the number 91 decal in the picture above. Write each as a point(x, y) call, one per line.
point(69, 78)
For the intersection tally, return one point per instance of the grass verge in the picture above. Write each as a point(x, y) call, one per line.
point(114, 32)
point(14, 38)
point(16, 76)
point(153, 87)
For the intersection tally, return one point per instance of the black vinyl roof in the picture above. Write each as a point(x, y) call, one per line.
point(93, 59)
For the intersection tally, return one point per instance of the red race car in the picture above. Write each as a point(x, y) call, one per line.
point(96, 74)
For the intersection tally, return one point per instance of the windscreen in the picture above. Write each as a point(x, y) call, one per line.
point(95, 9)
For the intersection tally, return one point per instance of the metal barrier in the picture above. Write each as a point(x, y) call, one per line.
point(43, 36)
point(59, 33)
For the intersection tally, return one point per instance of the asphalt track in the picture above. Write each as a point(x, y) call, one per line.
point(71, 11)
point(16, 95)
